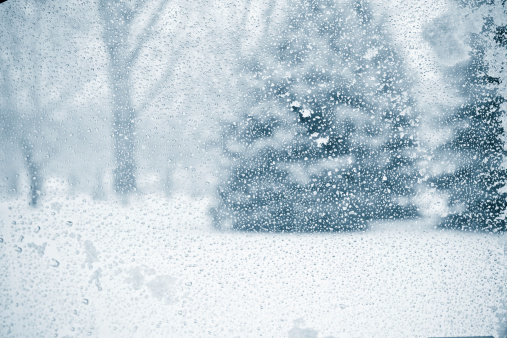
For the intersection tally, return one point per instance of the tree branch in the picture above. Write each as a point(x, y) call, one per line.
point(169, 71)
point(139, 44)
point(63, 100)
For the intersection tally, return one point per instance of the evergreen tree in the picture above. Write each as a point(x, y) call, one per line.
point(476, 152)
point(328, 143)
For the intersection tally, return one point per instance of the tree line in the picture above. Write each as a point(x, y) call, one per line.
point(318, 123)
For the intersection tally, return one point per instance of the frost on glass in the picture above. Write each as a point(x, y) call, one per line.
point(247, 168)
point(473, 174)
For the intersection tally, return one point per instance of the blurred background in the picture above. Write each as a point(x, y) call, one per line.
point(130, 97)
point(125, 97)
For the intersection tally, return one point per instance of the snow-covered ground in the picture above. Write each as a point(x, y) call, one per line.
point(79, 267)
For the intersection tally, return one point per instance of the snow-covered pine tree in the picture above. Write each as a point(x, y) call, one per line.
point(474, 188)
point(327, 144)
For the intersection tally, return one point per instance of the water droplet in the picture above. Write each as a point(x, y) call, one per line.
point(188, 284)
point(85, 301)
point(69, 223)
point(18, 249)
point(54, 263)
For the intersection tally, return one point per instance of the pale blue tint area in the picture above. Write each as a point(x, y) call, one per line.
point(253, 168)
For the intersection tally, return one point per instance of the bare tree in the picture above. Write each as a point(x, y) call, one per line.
point(25, 110)
point(19, 127)
point(124, 51)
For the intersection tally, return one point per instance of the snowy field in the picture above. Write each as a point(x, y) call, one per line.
point(79, 267)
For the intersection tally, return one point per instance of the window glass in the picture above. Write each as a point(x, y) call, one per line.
point(289, 168)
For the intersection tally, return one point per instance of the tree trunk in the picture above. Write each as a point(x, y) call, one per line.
point(34, 172)
point(123, 133)
point(116, 35)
